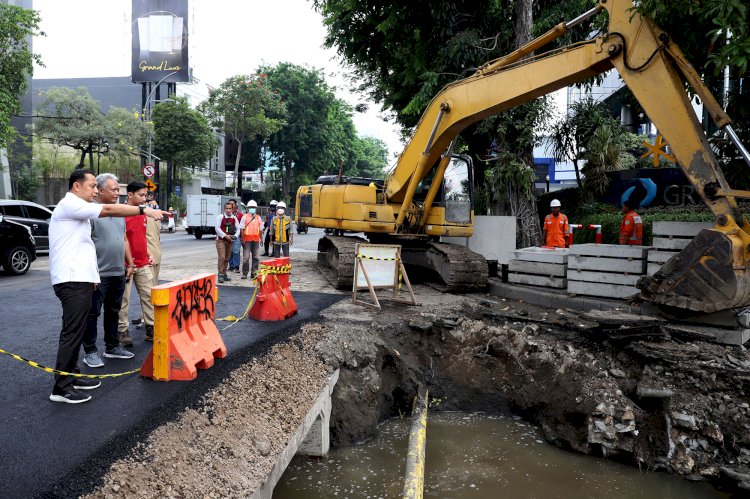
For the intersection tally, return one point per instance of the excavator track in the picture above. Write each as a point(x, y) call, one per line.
point(451, 268)
point(336, 259)
point(458, 269)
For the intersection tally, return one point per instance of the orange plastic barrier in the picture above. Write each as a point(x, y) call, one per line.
point(274, 301)
point(185, 336)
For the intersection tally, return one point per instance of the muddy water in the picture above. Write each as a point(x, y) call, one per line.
point(476, 456)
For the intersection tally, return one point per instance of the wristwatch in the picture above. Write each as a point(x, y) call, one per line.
point(141, 208)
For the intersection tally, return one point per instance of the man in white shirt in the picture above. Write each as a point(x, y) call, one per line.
point(75, 274)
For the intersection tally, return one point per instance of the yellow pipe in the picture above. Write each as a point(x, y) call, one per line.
point(414, 480)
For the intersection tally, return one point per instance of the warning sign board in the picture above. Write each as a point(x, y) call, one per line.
point(151, 186)
point(379, 266)
point(148, 171)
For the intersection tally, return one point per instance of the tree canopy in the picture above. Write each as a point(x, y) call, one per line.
point(182, 135)
point(73, 118)
point(245, 107)
point(17, 26)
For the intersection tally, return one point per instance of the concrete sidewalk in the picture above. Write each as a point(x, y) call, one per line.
point(62, 450)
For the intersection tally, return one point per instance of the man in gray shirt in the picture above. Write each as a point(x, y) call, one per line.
point(115, 266)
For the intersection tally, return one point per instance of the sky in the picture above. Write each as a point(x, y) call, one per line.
point(92, 38)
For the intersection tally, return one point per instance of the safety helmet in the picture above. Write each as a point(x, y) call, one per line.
point(554, 204)
point(252, 204)
point(281, 204)
point(274, 203)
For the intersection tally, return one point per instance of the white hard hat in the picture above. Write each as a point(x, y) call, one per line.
point(252, 203)
point(554, 204)
point(281, 204)
point(274, 202)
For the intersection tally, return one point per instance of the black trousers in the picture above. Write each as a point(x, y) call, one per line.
point(109, 295)
point(75, 298)
point(266, 242)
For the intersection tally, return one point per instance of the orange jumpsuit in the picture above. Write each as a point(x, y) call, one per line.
point(556, 228)
point(631, 229)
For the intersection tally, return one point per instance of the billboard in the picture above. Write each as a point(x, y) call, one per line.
point(160, 41)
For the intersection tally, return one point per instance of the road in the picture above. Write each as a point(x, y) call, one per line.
point(62, 450)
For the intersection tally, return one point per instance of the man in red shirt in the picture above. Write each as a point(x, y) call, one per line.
point(135, 228)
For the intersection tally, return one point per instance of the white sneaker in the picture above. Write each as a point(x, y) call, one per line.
point(93, 359)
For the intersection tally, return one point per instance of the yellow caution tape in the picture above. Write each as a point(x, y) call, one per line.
point(365, 257)
point(63, 373)
point(259, 278)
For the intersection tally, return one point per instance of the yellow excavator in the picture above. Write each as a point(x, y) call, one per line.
point(428, 193)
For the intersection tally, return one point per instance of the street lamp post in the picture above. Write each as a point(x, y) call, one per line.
point(148, 107)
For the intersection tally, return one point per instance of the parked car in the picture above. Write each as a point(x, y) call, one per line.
point(17, 248)
point(34, 216)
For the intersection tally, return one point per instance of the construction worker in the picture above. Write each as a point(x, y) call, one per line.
point(555, 227)
point(631, 227)
point(251, 229)
point(267, 226)
point(281, 231)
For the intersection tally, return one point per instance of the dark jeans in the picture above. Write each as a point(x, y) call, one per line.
point(75, 298)
point(279, 249)
point(266, 242)
point(108, 294)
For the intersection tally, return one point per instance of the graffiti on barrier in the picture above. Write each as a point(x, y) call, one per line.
point(195, 297)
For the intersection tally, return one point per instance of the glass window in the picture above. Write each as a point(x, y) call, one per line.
point(456, 184)
point(36, 212)
point(12, 210)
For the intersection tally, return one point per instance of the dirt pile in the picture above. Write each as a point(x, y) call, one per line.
point(230, 443)
point(611, 385)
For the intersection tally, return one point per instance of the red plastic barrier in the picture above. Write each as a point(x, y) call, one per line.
point(274, 301)
point(185, 335)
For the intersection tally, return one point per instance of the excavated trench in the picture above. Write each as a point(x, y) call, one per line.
point(637, 391)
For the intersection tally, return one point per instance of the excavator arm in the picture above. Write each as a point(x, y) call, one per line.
point(711, 274)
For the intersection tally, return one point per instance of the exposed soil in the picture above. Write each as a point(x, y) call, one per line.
point(623, 387)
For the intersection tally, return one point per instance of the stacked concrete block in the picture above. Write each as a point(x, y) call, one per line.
point(669, 239)
point(539, 267)
point(605, 270)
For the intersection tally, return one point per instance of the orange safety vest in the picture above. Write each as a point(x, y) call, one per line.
point(252, 229)
point(631, 229)
point(556, 228)
point(281, 229)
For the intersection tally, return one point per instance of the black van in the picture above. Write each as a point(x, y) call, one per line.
point(17, 247)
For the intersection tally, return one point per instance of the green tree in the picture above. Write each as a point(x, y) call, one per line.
point(573, 132)
point(17, 26)
point(320, 133)
point(74, 119)
point(182, 137)
point(371, 158)
point(245, 107)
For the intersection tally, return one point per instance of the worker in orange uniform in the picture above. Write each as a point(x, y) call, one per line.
point(555, 227)
point(251, 228)
point(631, 227)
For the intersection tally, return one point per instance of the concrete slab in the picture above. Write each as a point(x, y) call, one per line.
point(660, 255)
point(671, 243)
point(538, 268)
point(543, 255)
point(653, 268)
point(622, 265)
point(494, 238)
point(600, 289)
point(603, 277)
point(538, 280)
point(609, 250)
point(681, 229)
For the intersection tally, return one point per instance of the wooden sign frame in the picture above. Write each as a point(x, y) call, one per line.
point(379, 266)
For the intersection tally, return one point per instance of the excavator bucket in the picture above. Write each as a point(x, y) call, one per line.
point(711, 274)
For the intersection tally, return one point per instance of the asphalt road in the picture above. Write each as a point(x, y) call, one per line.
point(60, 450)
